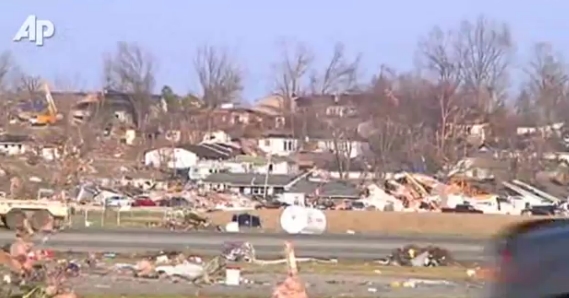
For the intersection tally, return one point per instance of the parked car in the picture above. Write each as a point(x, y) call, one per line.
point(531, 260)
point(117, 201)
point(463, 208)
point(358, 206)
point(541, 210)
point(271, 204)
point(174, 202)
point(143, 202)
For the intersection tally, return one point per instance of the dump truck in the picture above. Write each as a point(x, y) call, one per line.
point(39, 212)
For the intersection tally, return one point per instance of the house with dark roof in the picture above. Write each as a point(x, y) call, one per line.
point(248, 183)
point(336, 167)
point(345, 168)
point(331, 189)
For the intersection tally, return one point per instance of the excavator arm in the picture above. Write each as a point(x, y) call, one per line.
point(50, 116)
point(52, 109)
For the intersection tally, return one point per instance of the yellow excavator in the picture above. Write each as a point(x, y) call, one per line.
point(50, 115)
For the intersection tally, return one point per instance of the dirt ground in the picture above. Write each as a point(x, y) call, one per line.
point(468, 225)
point(261, 285)
point(324, 280)
point(478, 225)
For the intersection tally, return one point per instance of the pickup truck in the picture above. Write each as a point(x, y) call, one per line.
point(463, 208)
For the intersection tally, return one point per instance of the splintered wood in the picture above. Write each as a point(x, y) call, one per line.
point(17, 259)
point(292, 287)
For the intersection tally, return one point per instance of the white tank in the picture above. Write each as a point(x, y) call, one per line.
point(301, 220)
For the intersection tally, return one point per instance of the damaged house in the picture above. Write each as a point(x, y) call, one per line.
point(109, 103)
point(15, 144)
point(248, 184)
point(344, 168)
point(279, 144)
point(243, 164)
point(285, 144)
point(333, 189)
point(187, 156)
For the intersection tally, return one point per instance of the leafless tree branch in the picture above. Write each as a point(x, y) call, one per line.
point(548, 82)
point(339, 76)
point(130, 69)
point(8, 69)
point(220, 76)
point(485, 50)
point(28, 84)
point(291, 72)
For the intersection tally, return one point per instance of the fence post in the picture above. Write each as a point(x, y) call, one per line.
point(103, 215)
point(86, 217)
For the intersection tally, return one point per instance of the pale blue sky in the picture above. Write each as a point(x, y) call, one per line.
point(383, 31)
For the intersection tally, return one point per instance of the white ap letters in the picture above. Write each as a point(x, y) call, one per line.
point(35, 30)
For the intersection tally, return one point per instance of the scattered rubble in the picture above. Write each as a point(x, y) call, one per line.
point(33, 271)
point(36, 272)
point(185, 219)
point(292, 286)
point(416, 256)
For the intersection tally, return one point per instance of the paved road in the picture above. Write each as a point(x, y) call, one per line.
point(343, 246)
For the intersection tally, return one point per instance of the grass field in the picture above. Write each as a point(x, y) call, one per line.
point(468, 225)
point(359, 268)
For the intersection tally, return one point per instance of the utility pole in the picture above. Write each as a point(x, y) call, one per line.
point(269, 168)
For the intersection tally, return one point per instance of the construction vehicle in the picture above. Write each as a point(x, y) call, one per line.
point(50, 115)
point(39, 212)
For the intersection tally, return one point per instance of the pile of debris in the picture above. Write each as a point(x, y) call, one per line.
point(185, 219)
point(417, 256)
point(175, 266)
point(292, 286)
point(419, 192)
point(33, 272)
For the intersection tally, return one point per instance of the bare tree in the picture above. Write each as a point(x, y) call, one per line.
point(131, 70)
point(444, 67)
point(69, 82)
point(291, 72)
point(28, 84)
point(485, 49)
point(7, 68)
point(339, 76)
point(220, 76)
point(291, 77)
point(544, 104)
point(547, 85)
